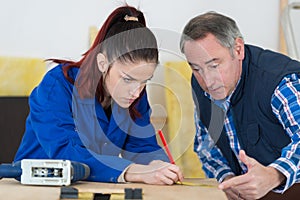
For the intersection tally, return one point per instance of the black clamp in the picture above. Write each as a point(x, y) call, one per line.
point(68, 193)
point(135, 193)
point(72, 193)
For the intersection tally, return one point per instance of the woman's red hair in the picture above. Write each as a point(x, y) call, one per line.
point(89, 81)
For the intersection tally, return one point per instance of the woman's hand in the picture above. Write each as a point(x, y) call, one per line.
point(157, 172)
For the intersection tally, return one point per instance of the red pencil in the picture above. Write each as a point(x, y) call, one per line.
point(162, 137)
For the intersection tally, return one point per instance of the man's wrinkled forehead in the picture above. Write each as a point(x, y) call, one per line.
point(195, 52)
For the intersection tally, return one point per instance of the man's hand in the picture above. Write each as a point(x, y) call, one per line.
point(156, 172)
point(256, 183)
point(231, 193)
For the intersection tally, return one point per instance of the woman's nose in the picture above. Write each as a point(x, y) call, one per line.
point(135, 90)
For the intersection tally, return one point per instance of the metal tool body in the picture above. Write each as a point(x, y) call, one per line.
point(45, 171)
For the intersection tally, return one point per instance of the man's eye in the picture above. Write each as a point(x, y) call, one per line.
point(196, 69)
point(214, 66)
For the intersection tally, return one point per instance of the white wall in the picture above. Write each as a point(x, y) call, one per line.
point(59, 28)
point(291, 28)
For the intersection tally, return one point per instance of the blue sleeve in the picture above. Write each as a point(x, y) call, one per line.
point(286, 106)
point(214, 164)
point(51, 123)
point(141, 145)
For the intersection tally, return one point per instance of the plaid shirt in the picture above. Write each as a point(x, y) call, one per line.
point(285, 104)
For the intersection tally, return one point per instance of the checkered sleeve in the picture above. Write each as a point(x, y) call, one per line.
point(286, 106)
point(214, 163)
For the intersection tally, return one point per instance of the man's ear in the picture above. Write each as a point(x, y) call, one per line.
point(102, 62)
point(239, 48)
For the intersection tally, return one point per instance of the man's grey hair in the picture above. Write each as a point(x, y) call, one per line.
point(222, 27)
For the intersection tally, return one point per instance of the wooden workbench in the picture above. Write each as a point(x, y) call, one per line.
point(12, 189)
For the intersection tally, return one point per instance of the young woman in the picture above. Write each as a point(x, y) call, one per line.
point(96, 111)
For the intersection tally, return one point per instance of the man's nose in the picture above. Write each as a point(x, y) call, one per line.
point(209, 79)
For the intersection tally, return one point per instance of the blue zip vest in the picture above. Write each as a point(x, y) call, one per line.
point(259, 132)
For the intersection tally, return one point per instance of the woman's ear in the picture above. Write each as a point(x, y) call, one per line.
point(102, 62)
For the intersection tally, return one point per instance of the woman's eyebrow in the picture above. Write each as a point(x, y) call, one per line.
point(129, 76)
point(135, 78)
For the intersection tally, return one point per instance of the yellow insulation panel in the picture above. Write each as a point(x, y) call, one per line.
point(20, 75)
